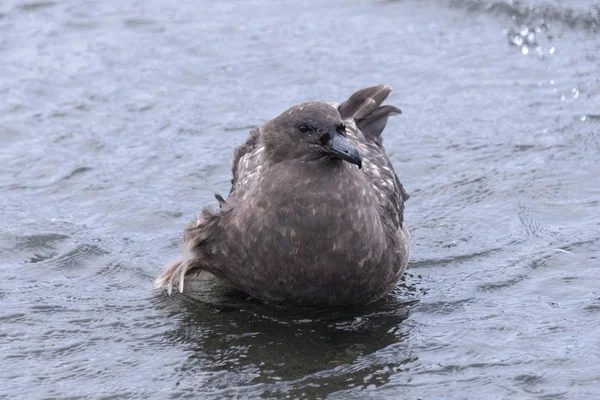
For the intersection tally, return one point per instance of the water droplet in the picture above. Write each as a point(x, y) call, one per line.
point(584, 118)
point(552, 82)
point(524, 31)
point(531, 37)
point(539, 52)
point(562, 97)
point(517, 40)
point(525, 50)
point(575, 93)
point(552, 50)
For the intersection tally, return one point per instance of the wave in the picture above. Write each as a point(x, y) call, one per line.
point(526, 14)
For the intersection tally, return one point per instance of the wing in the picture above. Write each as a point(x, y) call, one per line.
point(247, 163)
point(366, 118)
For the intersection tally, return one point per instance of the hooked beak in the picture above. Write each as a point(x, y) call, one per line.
point(341, 147)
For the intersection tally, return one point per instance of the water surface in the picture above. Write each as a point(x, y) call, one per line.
point(118, 121)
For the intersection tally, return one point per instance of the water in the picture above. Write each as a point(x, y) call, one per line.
point(118, 121)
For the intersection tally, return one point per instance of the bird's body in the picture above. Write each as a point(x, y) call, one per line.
point(301, 225)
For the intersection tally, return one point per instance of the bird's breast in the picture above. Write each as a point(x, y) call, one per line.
point(317, 214)
point(317, 239)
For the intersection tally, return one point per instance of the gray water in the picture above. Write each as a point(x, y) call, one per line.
point(118, 122)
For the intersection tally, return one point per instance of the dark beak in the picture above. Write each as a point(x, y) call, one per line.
point(341, 147)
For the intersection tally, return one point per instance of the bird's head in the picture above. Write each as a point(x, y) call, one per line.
point(309, 131)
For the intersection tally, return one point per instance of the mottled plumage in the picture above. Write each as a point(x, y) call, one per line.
point(304, 223)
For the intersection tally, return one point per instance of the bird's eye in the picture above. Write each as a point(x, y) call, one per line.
point(303, 128)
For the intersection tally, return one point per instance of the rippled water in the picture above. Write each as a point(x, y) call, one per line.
point(118, 121)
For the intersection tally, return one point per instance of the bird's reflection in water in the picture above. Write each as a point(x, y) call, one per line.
point(235, 341)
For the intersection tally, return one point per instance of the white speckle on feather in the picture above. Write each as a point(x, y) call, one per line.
point(362, 261)
point(359, 214)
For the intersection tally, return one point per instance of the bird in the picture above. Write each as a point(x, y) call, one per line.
point(315, 214)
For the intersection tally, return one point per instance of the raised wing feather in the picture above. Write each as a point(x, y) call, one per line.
point(365, 108)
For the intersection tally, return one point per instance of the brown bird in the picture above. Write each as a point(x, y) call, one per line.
point(315, 212)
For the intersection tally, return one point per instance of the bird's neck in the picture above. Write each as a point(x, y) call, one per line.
point(322, 184)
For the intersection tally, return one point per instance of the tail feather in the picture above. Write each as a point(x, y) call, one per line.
point(192, 258)
point(172, 275)
point(365, 107)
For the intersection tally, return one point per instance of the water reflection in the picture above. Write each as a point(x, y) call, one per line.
point(275, 350)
